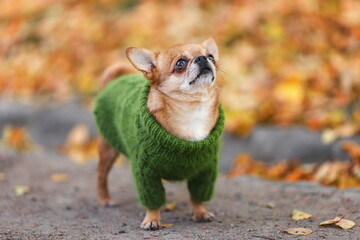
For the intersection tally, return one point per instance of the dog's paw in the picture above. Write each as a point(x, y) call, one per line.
point(203, 217)
point(107, 203)
point(151, 225)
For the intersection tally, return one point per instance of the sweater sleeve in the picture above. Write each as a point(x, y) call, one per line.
point(201, 187)
point(150, 190)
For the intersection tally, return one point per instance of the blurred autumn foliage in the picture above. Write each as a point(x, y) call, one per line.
point(285, 62)
point(340, 174)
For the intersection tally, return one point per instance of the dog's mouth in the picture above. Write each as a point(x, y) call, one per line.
point(203, 71)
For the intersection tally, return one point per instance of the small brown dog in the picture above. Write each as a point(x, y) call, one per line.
point(183, 98)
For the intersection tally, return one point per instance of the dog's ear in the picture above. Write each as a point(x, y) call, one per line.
point(211, 46)
point(143, 60)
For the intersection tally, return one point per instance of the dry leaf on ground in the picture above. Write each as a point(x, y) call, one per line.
point(299, 215)
point(170, 206)
point(121, 160)
point(80, 147)
point(342, 174)
point(299, 231)
point(59, 177)
point(2, 177)
point(353, 149)
point(78, 135)
point(17, 138)
point(341, 222)
point(270, 205)
point(332, 221)
point(167, 225)
point(329, 136)
point(21, 190)
point(345, 224)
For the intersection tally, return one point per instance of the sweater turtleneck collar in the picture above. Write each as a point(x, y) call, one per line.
point(157, 133)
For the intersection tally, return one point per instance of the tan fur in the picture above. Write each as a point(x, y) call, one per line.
point(151, 220)
point(112, 73)
point(171, 107)
point(171, 112)
point(168, 105)
point(107, 157)
point(200, 212)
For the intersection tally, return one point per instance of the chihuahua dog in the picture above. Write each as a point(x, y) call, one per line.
point(183, 98)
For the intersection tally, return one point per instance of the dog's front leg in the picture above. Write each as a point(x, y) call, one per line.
point(201, 189)
point(200, 214)
point(151, 194)
point(151, 220)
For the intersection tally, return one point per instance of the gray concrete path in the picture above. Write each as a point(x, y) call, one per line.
point(69, 210)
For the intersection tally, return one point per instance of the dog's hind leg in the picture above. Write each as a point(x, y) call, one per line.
point(107, 157)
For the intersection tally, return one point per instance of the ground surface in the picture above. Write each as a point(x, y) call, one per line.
point(69, 210)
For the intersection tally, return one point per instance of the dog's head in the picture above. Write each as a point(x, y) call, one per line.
point(187, 68)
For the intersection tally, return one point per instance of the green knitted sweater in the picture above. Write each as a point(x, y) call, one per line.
point(124, 120)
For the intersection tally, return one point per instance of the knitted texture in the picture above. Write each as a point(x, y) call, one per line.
point(126, 123)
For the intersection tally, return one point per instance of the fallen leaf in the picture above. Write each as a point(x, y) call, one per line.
point(2, 177)
point(356, 171)
point(79, 146)
point(290, 90)
point(270, 205)
point(167, 225)
point(120, 160)
point(338, 221)
point(279, 170)
point(59, 177)
point(299, 215)
point(347, 130)
point(17, 138)
point(21, 190)
point(342, 174)
point(353, 149)
point(79, 135)
point(329, 172)
point(329, 136)
point(170, 206)
point(345, 224)
point(299, 231)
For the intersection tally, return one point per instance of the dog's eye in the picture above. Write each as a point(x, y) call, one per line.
point(211, 58)
point(181, 63)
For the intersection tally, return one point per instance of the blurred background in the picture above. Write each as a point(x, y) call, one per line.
point(292, 72)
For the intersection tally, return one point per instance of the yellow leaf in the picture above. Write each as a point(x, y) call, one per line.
point(329, 136)
point(78, 135)
point(345, 224)
point(270, 205)
point(21, 190)
point(2, 177)
point(356, 171)
point(167, 225)
point(120, 160)
point(58, 177)
point(299, 231)
point(299, 215)
point(79, 146)
point(332, 221)
point(290, 90)
point(170, 206)
point(341, 222)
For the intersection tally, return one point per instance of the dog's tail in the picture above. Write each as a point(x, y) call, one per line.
point(111, 73)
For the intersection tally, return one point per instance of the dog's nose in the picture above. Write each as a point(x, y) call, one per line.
point(200, 59)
